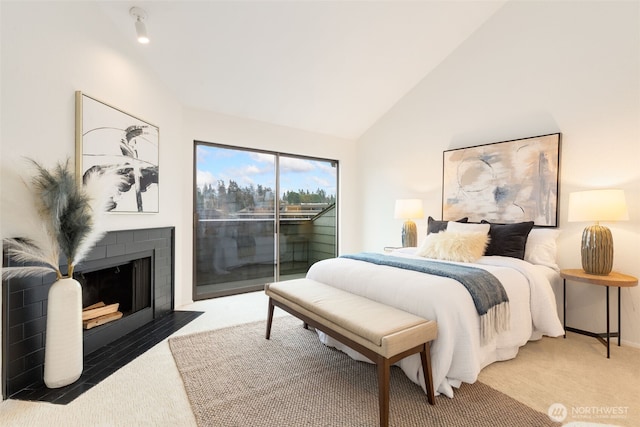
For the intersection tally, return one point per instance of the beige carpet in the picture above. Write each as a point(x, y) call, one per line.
point(235, 377)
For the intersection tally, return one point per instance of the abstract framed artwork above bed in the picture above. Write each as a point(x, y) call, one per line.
point(503, 182)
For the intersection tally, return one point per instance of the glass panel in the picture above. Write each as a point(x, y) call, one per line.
point(234, 220)
point(308, 189)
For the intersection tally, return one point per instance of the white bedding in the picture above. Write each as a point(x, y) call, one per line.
point(456, 354)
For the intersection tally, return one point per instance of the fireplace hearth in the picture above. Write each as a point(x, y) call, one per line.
point(134, 267)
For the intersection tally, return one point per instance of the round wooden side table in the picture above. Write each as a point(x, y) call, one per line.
point(614, 279)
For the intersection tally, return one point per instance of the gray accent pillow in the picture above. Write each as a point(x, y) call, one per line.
point(435, 226)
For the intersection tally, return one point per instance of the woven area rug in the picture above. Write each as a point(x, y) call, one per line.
point(235, 377)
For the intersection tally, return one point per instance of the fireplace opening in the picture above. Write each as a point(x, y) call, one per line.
point(117, 297)
point(128, 285)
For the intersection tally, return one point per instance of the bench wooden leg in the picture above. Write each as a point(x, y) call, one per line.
point(425, 356)
point(383, 390)
point(269, 319)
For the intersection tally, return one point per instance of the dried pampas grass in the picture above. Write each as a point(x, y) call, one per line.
point(72, 219)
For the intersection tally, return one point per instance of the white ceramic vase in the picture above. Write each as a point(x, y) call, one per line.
point(63, 346)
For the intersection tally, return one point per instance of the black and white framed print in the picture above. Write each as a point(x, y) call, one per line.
point(107, 137)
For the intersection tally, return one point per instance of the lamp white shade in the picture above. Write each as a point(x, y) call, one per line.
point(408, 209)
point(598, 205)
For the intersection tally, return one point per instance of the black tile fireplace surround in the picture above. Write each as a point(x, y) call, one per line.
point(24, 304)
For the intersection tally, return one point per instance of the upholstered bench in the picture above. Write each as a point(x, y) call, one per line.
point(383, 334)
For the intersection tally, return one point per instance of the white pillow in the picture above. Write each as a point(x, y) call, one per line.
point(541, 247)
point(463, 227)
point(454, 246)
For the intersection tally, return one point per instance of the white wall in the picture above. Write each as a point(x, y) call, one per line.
point(50, 50)
point(534, 68)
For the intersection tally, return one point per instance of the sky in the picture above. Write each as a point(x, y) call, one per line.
point(247, 167)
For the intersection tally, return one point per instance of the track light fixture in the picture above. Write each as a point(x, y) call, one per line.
point(141, 30)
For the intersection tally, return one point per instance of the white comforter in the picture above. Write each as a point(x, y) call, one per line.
point(456, 355)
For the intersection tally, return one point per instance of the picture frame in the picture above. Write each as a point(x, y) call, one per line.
point(107, 137)
point(503, 182)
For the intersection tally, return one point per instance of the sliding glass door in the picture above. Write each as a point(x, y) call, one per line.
point(247, 204)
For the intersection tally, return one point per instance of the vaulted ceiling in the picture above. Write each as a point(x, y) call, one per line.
point(332, 67)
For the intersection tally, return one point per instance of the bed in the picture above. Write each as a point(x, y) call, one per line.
point(459, 352)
